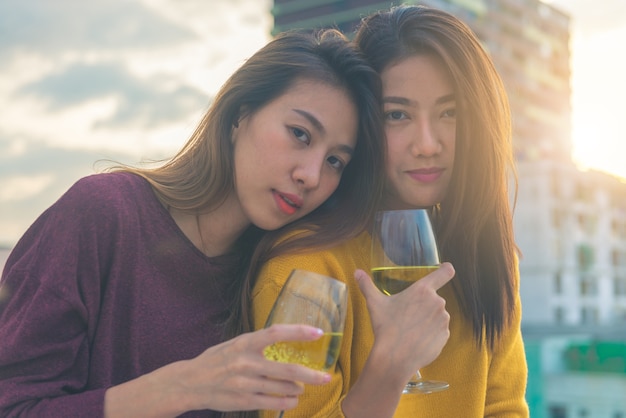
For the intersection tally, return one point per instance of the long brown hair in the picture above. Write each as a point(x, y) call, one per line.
point(332, 57)
point(474, 221)
point(200, 176)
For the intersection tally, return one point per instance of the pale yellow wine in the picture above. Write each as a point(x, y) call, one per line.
point(320, 354)
point(391, 280)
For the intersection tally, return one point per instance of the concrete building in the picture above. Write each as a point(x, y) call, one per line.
point(571, 228)
point(576, 371)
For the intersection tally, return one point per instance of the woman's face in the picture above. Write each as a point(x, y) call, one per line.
point(290, 154)
point(420, 125)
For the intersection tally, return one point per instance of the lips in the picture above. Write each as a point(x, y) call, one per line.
point(426, 175)
point(288, 203)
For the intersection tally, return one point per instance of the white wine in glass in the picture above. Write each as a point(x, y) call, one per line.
point(404, 250)
point(311, 299)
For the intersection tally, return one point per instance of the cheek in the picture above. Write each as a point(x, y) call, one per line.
point(394, 156)
point(327, 188)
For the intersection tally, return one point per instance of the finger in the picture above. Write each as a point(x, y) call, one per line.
point(293, 373)
point(366, 284)
point(287, 332)
point(438, 278)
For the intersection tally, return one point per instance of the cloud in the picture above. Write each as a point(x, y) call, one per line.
point(50, 27)
point(33, 175)
point(141, 102)
point(128, 76)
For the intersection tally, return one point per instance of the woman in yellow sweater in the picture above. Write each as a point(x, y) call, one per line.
point(448, 148)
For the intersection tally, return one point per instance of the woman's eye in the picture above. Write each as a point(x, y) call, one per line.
point(449, 113)
point(301, 135)
point(336, 163)
point(396, 115)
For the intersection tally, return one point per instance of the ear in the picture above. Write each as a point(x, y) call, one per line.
point(243, 112)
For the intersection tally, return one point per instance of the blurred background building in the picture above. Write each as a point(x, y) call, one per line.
point(570, 224)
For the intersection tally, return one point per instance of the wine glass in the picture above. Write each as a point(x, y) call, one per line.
point(316, 300)
point(403, 251)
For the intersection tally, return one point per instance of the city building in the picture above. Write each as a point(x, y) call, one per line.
point(571, 228)
point(576, 371)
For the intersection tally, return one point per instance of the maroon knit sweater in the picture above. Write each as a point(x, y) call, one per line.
point(102, 288)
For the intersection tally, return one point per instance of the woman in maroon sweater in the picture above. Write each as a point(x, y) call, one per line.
point(127, 296)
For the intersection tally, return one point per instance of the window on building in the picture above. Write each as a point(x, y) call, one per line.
point(587, 223)
point(591, 223)
point(559, 315)
point(615, 227)
point(619, 314)
point(619, 286)
point(557, 411)
point(588, 285)
point(558, 283)
point(589, 315)
point(585, 255)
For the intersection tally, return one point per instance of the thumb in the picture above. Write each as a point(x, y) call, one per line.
point(366, 285)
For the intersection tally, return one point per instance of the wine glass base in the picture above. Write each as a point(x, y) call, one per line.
point(425, 386)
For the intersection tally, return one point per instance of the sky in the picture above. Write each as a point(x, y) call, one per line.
point(598, 62)
point(128, 80)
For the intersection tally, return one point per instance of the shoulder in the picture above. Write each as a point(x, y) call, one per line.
point(338, 262)
point(94, 204)
point(107, 186)
point(106, 194)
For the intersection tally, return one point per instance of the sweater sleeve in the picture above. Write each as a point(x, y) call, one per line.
point(323, 401)
point(45, 313)
point(508, 372)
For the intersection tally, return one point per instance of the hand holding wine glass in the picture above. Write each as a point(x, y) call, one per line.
point(316, 300)
point(404, 250)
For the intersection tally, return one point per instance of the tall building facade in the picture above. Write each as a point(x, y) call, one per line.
point(527, 39)
point(571, 229)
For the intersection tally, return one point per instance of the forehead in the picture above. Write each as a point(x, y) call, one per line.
point(308, 85)
point(329, 109)
point(417, 72)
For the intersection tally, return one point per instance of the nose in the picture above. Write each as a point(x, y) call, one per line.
point(308, 172)
point(425, 142)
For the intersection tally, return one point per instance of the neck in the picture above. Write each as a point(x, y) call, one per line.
point(214, 233)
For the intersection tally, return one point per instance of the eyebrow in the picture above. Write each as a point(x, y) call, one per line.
point(318, 126)
point(407, 102)
point(314, 121)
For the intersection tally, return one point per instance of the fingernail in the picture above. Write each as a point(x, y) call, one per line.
point(326, 378)
point(319, 331)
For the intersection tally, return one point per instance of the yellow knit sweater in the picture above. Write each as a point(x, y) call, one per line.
point(483, 383)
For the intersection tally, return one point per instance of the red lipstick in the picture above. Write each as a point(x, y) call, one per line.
point(426, 175)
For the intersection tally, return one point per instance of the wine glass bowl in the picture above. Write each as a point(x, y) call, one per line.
point(311, 299)
point(404, 250)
